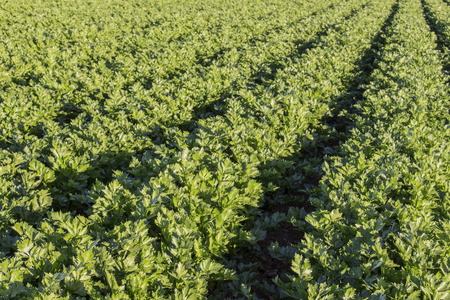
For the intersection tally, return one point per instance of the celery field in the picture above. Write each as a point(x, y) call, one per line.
point(225, 149)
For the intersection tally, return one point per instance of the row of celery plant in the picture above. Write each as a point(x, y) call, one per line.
point(301, 95)
point(440, 14)
point(219, 136)
point(381, 227)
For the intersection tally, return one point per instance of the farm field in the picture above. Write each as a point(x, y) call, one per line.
point(225, 149)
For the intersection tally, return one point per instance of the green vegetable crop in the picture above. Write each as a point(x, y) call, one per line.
point(224, 149)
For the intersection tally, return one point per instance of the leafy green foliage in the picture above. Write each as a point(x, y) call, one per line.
point(141, 142)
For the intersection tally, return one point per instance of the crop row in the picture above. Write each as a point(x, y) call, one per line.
point(381, 225)
point(440, 14)
point(301, 96)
